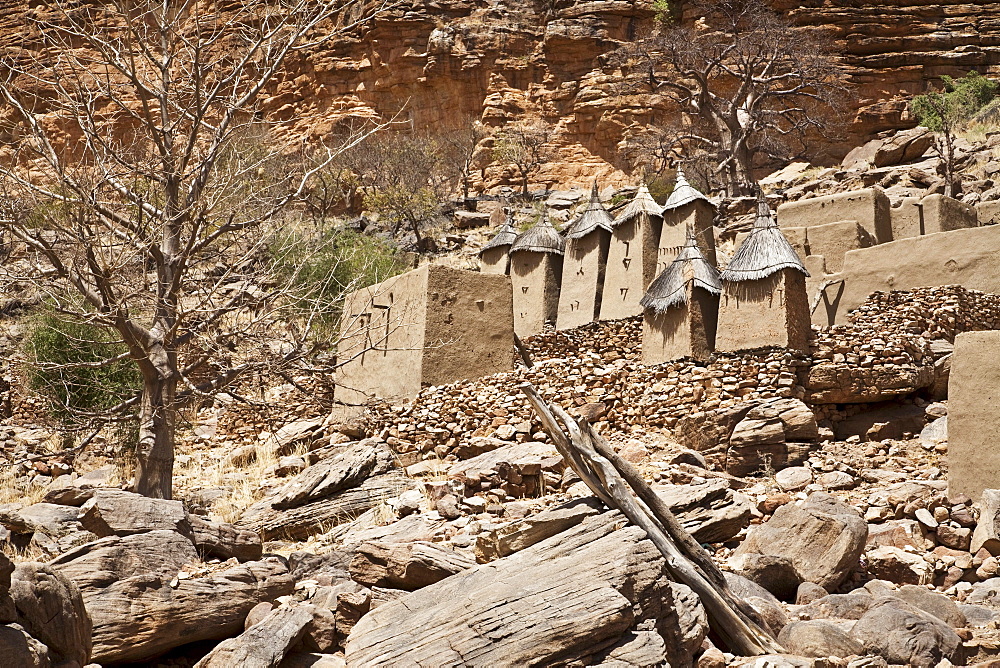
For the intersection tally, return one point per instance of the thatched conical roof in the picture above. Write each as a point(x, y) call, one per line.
point(505, 236)
point(764, 252)
point(542, 238)
point(670, 287)
point(595, 216)
point(641, 203)
point(683, 193)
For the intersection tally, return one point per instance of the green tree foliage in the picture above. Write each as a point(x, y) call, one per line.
point(948, 110)
point(955, 104)
point(326, 265)
point(70, 367)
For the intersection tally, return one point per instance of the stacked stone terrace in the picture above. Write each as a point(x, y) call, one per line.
point(598, 370)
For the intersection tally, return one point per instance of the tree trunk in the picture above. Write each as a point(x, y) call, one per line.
point(154, 466)
point(947, 151)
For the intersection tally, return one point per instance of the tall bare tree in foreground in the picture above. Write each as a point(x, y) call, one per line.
point(147, 180)
point(747, 82)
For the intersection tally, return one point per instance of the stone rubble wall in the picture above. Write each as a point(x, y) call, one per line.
point(596, 371)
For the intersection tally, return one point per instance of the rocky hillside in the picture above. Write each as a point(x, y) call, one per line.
point(448, 61)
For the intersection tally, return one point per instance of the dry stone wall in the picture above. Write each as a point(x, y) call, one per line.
point(596, 371)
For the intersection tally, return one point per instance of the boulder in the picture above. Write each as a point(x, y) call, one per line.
point(711, 511)
point(7, 611)
point(264, 644)
point(899, 566)
point(838, 606)
point(773, 573)
point(556, 600)
point(817, 638)
point(823, 538)
point(50, 518)
point(934, 603)
point(793, 478)
point(115, 512)
point(808, 592)
point(987, 533)
point(902, 634)
point(224, 541)
point(406, 565)
point(51, 609)
point(145, 596)
point(523, 533)
point(19, 650)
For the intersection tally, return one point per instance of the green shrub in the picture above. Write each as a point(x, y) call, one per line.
point(53, 341)
point(323, 267)
point(961, 98)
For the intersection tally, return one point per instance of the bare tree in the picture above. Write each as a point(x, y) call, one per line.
point(461, 151)
point(524, 145)
point(403, 178)
point(150, 181)
point(747, 82)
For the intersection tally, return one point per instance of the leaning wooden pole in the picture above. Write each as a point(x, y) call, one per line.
point(588, 457)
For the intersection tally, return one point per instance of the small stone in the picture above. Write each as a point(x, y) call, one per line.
point(809, 592)
point(836, 480)
point(448, 507)
point(409, 502)
point(924, 517)
point(793, 478)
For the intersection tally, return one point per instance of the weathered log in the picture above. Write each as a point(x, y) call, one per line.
point(589, 456)
point(264, 644)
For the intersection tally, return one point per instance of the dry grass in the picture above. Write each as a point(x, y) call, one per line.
point(207, 469)
point(18, 489)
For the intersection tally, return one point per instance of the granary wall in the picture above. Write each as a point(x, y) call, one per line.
point(469, 326)
point(583, 279)
point(495, 261)
point(766, 312)
point(535, 279)
point(631, 267)
point(973, 418)
point(382, 339)
point(966, 257)
point(916, 216)
point(870, 207)
point(682, 331)
point(833, 240)
point(700, 215)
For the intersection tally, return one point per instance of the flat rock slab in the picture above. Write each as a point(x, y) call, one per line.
point(711, 512)
point(302, 521)
point(264, 644)
point(139, 606)
point(115, 512)
point(563, 598)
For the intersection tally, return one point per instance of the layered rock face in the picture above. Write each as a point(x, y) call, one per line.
point(449, 61)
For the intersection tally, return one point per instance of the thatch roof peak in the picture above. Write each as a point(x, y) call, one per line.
point(669, 289)
point(594, 217)
point(641, 203)
point(684, 193)
point(541, 238)
point(505, 235)
point(764, 252)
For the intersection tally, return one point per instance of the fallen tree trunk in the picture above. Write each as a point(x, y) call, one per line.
point(610, 478)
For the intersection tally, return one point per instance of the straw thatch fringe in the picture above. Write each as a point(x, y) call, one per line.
point(542, 238)
point(764, 252)
point(683, 193)
point(594, 217)
point(505, 236)
point(642, 203)
point(669, 289)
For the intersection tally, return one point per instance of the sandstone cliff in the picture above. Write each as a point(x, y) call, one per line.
point(447, 61)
